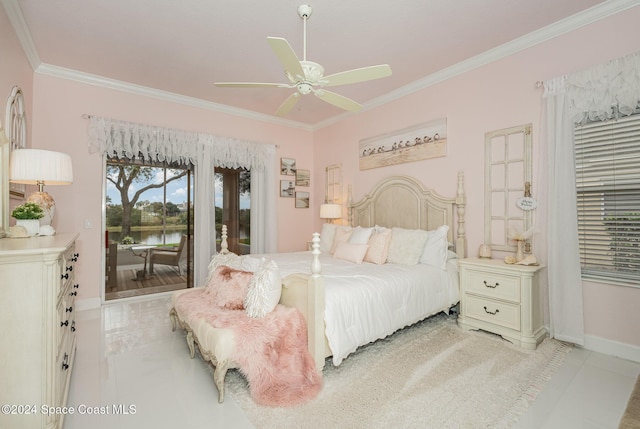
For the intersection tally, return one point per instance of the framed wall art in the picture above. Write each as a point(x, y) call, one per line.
point(424, 141)
point(287, 188)
point(302, 200)
point(287, 166)
point(303, 178)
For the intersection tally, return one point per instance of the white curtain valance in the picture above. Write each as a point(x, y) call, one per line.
point(602, 91)
point(129, 139)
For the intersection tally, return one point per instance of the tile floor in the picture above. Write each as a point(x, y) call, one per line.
point(128, 360)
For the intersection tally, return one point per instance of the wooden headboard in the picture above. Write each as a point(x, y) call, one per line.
point(404, 202)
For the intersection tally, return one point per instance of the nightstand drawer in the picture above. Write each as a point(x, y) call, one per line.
point(493, 285)
point(498, 313)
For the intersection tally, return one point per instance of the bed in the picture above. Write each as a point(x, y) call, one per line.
point(323, 287)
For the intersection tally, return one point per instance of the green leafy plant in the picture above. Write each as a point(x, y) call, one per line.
point(28, 211)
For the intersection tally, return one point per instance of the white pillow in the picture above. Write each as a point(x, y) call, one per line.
point(265, 288)
point(326, 237)
point(406, 246)
point(378, 250)
point(360, 235)
point(351, 252)
point(342, 236)
point(436, 248)
point(230, 260)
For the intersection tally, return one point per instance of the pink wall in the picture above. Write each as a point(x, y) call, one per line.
point(58, 125)
point(495, 96)
point(14, 70)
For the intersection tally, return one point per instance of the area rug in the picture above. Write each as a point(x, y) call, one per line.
point(430, 375)
point(631, 417)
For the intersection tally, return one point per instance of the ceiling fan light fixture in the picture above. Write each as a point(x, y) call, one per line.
point(304, 88)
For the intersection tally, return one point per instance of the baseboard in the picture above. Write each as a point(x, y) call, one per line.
point(88, 304)
point(613, 348)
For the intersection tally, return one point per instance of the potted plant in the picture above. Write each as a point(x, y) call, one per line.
point(28, 215)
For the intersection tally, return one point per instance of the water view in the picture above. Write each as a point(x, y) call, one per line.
point(150, 237)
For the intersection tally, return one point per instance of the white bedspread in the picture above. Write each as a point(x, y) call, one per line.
point(365, 302)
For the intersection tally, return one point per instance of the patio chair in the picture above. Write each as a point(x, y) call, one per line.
point(174, 256)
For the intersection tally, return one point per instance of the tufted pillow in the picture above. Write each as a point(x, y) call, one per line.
point(436, 249)
point(342, 236)
point(406, 246)
point(351, 252)
point(378, 247)
point(227, 287)
point(264, 290)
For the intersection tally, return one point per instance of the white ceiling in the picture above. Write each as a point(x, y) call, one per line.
point(183, 46)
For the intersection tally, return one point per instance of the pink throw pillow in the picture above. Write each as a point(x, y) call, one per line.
point(378, 247)
point(227, 287)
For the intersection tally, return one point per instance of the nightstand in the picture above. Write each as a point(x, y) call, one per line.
point(503, 299)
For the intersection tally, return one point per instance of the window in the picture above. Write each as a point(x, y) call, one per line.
point(608, 195)
point(233, 207)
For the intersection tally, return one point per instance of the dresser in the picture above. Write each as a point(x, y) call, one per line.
point(503, 299)
point(37, 295)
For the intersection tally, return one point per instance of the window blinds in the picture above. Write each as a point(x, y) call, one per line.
point(608, 194)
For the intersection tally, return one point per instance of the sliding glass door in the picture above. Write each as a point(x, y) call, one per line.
point(149, 227)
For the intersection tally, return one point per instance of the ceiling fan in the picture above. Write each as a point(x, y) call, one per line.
point(307, 77)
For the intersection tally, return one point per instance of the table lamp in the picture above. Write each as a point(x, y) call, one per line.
point(41, 167)
point(330, 211)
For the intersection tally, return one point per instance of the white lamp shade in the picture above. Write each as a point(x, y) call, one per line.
point(35, 166)
point(330, 211)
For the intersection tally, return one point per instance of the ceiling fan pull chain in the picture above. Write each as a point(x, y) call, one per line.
point(304, 39)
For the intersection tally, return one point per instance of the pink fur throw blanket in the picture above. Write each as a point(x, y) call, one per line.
point(271, 351)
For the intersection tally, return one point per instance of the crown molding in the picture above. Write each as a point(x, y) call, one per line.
point(118, 85)
point(586, 17)
point(581, 19)
point(14, 13)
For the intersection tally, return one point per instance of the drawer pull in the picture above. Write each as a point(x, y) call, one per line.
point(68, 310)
point(489, 312)
point(64, 276)
point(73, 326)
point(65, 365)
point(491, 286)
point(73, 293)
point(69, 268)
point(76, 286)
point(65, 323)
point(75, 257)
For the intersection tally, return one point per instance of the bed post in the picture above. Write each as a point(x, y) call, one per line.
point(461, 201)
point(315, 306)
point(224, 245)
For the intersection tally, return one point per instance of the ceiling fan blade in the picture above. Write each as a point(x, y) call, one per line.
point(287, 57)
point(338, 100)
point(358, 75)
point(251, 85)
point(288, 104)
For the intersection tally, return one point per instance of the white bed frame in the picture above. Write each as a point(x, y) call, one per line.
point(398, 201)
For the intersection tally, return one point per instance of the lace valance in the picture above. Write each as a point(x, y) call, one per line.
point(602, 91)
point(128, 139)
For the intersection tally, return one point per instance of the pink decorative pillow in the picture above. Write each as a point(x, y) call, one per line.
point(341, 236)
point(227, 287)
point(378, 247)
point(351, 252)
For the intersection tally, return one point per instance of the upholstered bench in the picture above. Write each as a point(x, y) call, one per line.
point(236, 321)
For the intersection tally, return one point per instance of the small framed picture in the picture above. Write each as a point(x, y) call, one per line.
point(302, 200)
point(303, 178)
point(287, 166)
point(287, 188)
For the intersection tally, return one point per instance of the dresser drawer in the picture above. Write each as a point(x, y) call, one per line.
point(495, 312)
point(492, 285)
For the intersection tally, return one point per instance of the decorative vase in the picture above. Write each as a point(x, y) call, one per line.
point(31, 225)
point(519, 253)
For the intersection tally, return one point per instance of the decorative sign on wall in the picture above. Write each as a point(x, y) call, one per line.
point(424, 141)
